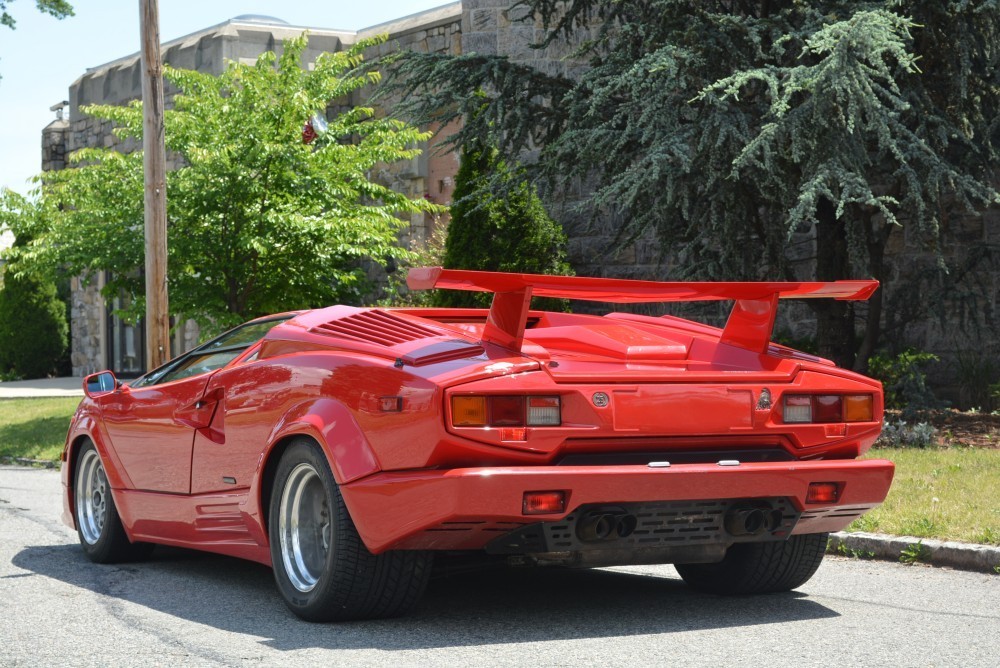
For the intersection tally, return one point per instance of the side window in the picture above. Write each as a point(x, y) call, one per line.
point(198, 364)
point(213, 355)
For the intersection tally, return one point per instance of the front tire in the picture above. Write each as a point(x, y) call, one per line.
point(98, 524)
point(759, 568)
point(323, 570)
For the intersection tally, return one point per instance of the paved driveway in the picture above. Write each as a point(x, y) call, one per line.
point(186, 608)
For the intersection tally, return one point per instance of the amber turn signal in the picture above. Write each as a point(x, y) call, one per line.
point(468, 411)
point(858, 408)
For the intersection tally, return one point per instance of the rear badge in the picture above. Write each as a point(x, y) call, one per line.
point(601, 399)
point(764, 402)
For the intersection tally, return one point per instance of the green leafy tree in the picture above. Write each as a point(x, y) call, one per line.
point(57, 8)
point(736, 131)
point(258, 221)
point(33, 326)
point(506, 232)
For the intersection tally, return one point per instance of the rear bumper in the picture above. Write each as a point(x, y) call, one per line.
point(467, 508)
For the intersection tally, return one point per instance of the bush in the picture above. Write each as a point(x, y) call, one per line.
point(898, 434)
point(904, 380)
point(33, 328)
point(499, 232)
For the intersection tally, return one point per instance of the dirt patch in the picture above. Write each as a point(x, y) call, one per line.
point(957, 428)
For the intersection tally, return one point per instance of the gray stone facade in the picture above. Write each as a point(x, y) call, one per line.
point(492, 27)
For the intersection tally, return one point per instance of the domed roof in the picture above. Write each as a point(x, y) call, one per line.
point(259, 18)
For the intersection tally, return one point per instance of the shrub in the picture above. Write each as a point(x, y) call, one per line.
point(33, 328)
point(499, 232)
point(904, 380)
point(898, 434)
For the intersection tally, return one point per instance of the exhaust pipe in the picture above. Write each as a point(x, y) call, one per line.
point(604, 525)
point(752, 520)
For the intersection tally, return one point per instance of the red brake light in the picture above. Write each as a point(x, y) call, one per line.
point(506, 411)
point(827, 408)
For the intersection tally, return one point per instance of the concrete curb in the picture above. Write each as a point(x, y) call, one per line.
point(24, 461)
point(961, 556)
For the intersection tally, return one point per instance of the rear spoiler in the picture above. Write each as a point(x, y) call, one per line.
point(749, 326)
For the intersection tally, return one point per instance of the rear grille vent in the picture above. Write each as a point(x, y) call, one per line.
point(378, 327)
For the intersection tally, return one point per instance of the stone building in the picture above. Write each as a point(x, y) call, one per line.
point(102, 341)
point(495, 27)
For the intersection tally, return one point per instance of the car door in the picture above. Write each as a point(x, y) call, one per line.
point(152, 431)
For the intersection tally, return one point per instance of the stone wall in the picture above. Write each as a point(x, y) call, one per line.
point(88, 329)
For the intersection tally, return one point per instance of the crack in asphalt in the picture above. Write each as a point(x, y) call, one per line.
point(112, 597)
point(943, 613)
point(53, 527)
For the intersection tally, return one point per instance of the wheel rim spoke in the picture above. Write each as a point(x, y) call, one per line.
point(92, 497)
point(304, 527)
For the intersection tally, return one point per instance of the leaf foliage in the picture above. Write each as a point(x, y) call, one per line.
point(258, 221)
point(737, 131)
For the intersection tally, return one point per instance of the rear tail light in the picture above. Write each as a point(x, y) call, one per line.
point(505, 410)
point(820, 408)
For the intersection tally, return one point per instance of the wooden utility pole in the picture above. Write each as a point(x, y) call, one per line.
point(155, 169)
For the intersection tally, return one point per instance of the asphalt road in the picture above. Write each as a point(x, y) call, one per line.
point(186, 608)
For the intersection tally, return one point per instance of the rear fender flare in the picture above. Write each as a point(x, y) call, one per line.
point(332, 425)
point(329, 423)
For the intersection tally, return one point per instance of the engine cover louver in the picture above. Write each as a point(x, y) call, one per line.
point(378, 327)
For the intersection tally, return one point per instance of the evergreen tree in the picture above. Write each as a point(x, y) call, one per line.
point(736, 130)
point(509, 231)
point(33, 328)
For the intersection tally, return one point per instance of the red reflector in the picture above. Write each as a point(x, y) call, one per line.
point(513, 434)
point(506, 411)
point(823, 492)
point(543, 503)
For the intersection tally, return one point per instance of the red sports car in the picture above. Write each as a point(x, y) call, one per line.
point(345, 446)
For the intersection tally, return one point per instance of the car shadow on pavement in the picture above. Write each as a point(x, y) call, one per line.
point(487, 607)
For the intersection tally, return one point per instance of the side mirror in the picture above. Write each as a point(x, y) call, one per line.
point(99, 384)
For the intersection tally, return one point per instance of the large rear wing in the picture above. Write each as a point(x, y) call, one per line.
point(749, 325)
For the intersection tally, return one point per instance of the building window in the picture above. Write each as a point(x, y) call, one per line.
point(126, 342)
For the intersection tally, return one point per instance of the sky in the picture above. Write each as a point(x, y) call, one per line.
point(43, 56)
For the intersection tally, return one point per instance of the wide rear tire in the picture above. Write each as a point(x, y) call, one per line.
point(98, 524)
point(323, 570)
point(759, 568)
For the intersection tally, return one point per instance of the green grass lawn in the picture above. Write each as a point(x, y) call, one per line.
point(35, 428)
point(947, 493)
point(944, 493)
